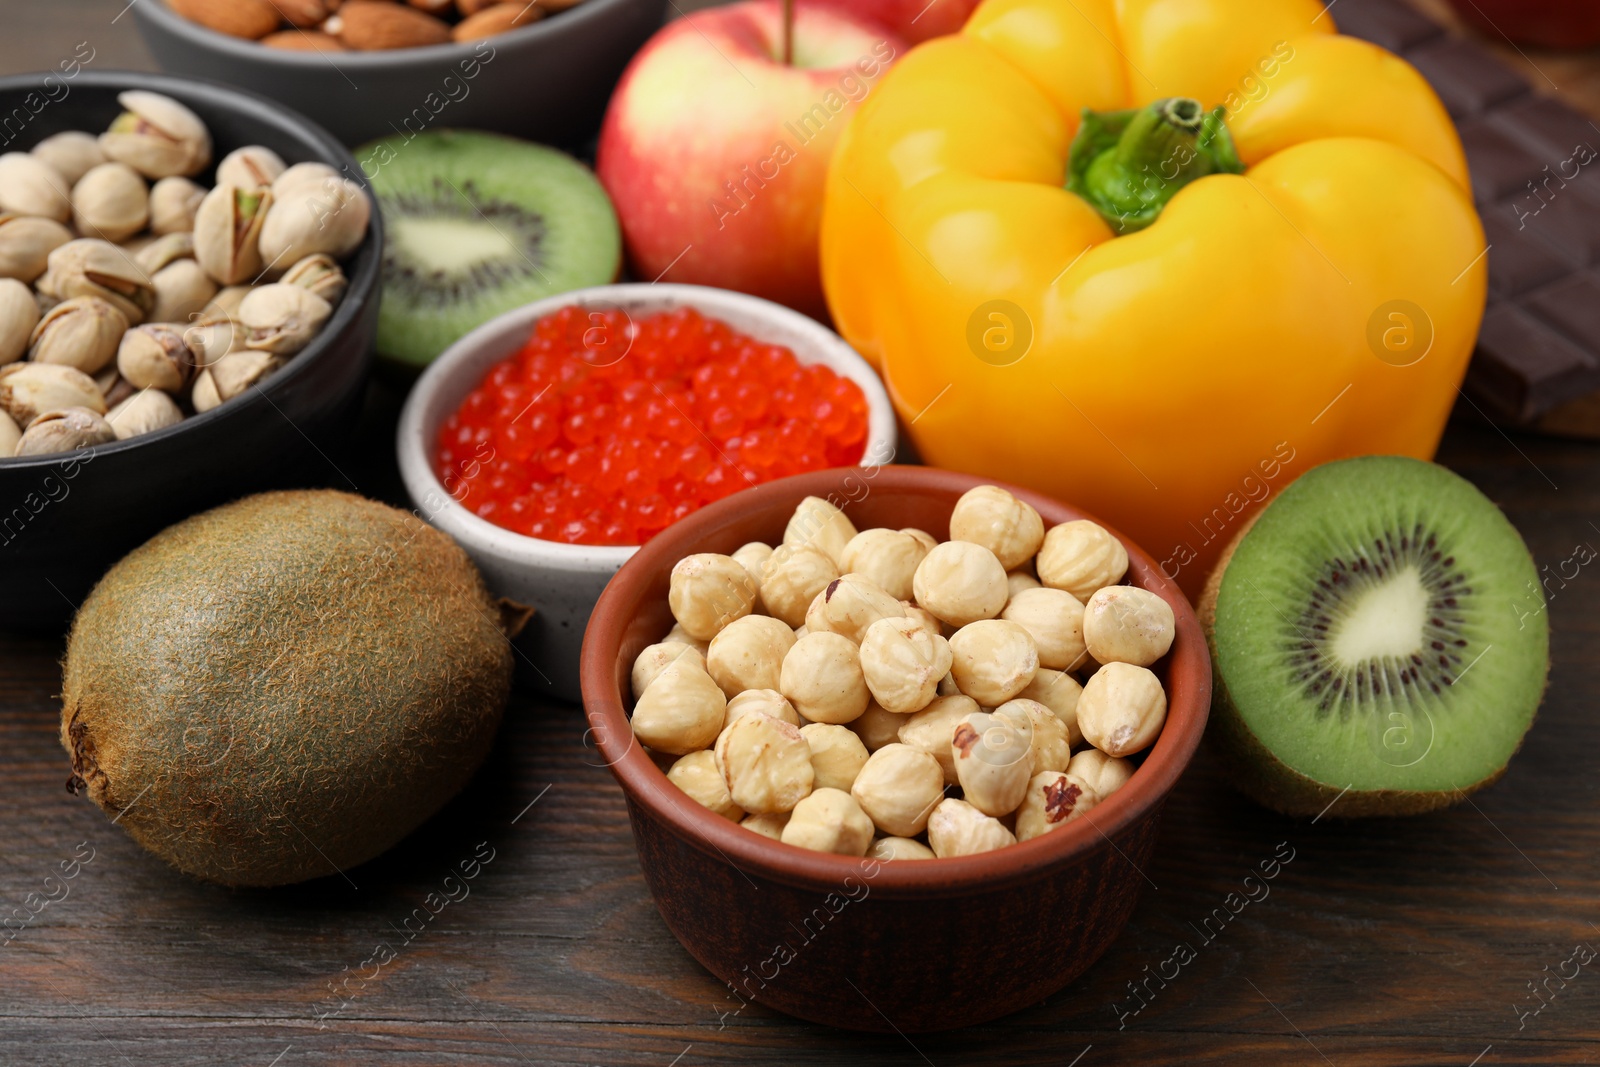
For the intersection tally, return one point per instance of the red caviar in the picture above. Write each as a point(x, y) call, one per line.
point(603, 430)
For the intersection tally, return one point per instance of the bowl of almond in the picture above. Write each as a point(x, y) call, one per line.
point(368, 68)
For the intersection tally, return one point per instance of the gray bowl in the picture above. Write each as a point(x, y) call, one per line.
point(65, 518)
point(547, 82)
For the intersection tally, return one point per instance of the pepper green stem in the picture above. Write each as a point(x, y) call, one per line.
point(1128, 164)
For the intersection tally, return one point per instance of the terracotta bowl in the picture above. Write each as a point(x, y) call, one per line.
point(914, 945)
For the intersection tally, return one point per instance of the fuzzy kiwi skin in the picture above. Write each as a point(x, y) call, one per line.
point(283, 687)
point(1252, 768)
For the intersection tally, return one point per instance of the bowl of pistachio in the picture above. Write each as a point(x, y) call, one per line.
point(188, 294)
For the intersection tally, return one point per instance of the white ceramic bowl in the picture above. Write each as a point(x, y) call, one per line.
point(563, 581)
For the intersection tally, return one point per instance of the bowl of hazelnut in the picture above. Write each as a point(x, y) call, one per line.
point(370, 68)
point(860, 715)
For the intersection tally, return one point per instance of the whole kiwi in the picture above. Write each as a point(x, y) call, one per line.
point(285, 686)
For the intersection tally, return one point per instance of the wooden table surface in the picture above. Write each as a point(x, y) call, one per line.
point(1406, 942)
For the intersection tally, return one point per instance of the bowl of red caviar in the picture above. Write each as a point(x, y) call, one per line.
point(554, 440)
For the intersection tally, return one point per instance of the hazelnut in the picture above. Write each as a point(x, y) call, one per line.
point(765, 701)
point(1122, 709)
point(924, 618)
point(994, 761)
point(1105, 774)
point(931, 730)
point(753, 557)
point(956, 828)
point(899, 848)
point(1122, 624)
point(1053, 799)
point(681, 711)
point(887, 558)
point(655, 659)
point(902, 664)
point(748, 654)
point(948, 686)
point(766, 763)
point(1059, 692)
point(848, 605)
point(1048, 741)
point(1080, 557)
point(791, 578)
point(822, 526)
point(922, 537)
point(960, 582)
point(993, 660)
point(767, 825)
point(1017, 581)
point(837, 755)
point(1054, 619)
point(822, 678)
point(829, 820)
point(898, 789)
point(877, 727)
point(708, 592)
point(989, 516)
point(681, 636)
point(697, 775)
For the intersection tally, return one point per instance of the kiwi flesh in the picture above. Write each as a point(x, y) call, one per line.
point(1378, 639)
point(479, 224)
point(283, 687)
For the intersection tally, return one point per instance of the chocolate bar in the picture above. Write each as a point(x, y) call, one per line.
point(1535, 166)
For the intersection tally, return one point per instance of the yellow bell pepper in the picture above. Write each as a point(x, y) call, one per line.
point(1267, 257)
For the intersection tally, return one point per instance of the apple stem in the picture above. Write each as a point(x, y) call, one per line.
point(788, 33)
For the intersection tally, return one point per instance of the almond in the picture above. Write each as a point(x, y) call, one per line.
point(434, 7)
point(373, 25)
point(303, 13)
point(472, 7)
point(252, 19)
point(303, 41)
point(497, 19)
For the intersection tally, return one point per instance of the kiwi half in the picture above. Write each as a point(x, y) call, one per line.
point(1378, 637)
point(479, 224)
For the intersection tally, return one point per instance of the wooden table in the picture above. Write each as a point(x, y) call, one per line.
point(1409, 942)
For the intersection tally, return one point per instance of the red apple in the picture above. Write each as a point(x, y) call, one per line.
point(715, 151)
point(914, 20)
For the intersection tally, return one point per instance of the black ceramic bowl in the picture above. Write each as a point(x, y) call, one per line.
point(548, 82)
point(65, 518)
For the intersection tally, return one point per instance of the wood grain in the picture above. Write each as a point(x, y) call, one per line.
point(1403, 943)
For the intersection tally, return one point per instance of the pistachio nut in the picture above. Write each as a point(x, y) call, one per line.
point(27, 390)
point(83, 332)
point(163, 250)
point(302, 176)
point(144, 411)
point(72, 154)
point(210, 341)
point(331, 218)
point(225, 305)
point(320, 274)
point(182, 289)
point(66, 430)
point(30, 186)
point(250, 167)
point(157, 136)
point(227, 232)
point(173, 202)
point(111, 202)
point(46, 298)
point(91, 267)
point(10, 434)
point(138, 243)
point(113, 386)
point(232, 375)
point(154, 356)
point(282, 319)
point(26, 242)
point(19, 314)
